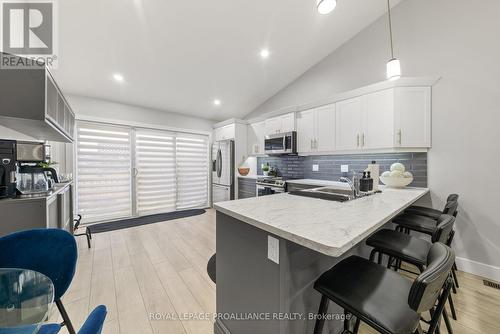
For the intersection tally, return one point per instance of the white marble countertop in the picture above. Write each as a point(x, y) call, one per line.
point(328, 227)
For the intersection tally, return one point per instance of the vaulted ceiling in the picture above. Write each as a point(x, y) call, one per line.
point(179, 56)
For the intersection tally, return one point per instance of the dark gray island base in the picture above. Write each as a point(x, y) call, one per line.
point(257, 295)
point(250, 286)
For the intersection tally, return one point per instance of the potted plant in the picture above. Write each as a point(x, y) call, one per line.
point(265, 169)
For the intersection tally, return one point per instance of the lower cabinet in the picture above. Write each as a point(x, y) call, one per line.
point(65, 206)
point(246, 188)
point(54, 211)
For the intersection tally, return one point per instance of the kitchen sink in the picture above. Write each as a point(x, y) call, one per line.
point(330, 193)
point(322, 195)
point(326, 193)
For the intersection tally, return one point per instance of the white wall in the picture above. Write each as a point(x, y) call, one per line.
point(90, 108)
point(458, 40)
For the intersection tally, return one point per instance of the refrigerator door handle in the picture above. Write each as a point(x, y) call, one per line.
point(219, 163)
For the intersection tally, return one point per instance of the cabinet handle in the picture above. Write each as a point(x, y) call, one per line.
point(316, 143)
point(399, 137)
point(357, 140)
point(312, 146)
point(363, 140)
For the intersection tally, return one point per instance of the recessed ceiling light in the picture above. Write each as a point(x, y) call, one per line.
point(264, 53)
point(326, 6)
point(217, 102)
point(118, 77)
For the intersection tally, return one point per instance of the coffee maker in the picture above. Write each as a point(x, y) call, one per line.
point(7, 168)
point(31, 177)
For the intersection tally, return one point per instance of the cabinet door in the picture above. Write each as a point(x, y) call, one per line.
point(378, 120)
point(51, 100)
point(60, 111)
point(288, 122)
point(306, 130)
point(413, 116)
point(53, 219)
point(348, 124)
point(255, 138)
point(325, 129)
point(224, 133)
point(273, 125)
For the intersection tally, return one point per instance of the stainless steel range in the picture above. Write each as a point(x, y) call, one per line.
point(270, 185)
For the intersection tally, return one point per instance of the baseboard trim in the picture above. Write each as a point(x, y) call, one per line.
point(478, 268)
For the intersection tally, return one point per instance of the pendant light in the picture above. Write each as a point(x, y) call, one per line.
point(326, 6)
point(393, 66)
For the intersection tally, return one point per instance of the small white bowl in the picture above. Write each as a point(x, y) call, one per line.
point(396, 182)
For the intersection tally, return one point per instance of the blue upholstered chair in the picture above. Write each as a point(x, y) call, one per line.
point(93, 325)
point(52, 252)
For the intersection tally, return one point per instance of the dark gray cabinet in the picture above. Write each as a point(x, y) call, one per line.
point(32, 103)
point(246, 188)
point(53, 211)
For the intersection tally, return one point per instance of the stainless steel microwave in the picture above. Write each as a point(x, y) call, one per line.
point(281, 143)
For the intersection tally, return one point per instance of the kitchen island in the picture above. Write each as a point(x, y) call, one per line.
point(271, 249)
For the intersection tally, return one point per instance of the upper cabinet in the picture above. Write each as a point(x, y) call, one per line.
point(280, 124)
point(316, 130)
point(225, 132)
point(32, 103)
point(256, 135)
point(392, 118)
point(412, 120)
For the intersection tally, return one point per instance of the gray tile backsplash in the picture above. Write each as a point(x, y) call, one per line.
point(300, 167)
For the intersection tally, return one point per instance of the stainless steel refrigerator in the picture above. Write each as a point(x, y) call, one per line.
point(223, 171)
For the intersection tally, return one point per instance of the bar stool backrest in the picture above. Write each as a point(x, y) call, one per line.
point(444, 228)
point(427, 287)
point(451, 208)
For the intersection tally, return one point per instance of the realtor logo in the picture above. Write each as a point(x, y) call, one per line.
point(28, 30)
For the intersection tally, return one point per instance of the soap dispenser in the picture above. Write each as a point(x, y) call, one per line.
point(370, 181)
point(374, 169)
point(364, 183)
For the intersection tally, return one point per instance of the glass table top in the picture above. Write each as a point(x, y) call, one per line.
point(26, 299)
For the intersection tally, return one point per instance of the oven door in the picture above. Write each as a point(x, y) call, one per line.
point(268, 190)
point(282, 143)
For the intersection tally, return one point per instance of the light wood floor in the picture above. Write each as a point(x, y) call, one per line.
point(161, 268)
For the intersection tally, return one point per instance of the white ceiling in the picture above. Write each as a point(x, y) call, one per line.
point(180, 55)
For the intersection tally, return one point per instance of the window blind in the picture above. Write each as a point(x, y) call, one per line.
point(192, 170)
point(103, 171)
point(156, 171)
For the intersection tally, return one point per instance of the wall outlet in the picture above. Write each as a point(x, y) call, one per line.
point(315, 168)
point(273, 249)
point(344, 168)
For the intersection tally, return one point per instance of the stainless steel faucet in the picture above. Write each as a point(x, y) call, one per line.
point(354, 184)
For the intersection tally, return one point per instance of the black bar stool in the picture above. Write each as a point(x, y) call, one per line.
point(413, 250)
point(383, 299)
point(422, 220)
point(430, 212)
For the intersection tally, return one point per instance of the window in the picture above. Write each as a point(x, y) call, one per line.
point(124, 171)
point(104, 182)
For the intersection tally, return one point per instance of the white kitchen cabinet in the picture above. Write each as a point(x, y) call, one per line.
point(306, 130)
point(412, 121)
point(316, 130)
point(325, 129)
point(392, 118)
point(256, 135)
point(280, 124)
point(224, 133)
point(378, 120)
point(349, 127)
point(288, 122)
